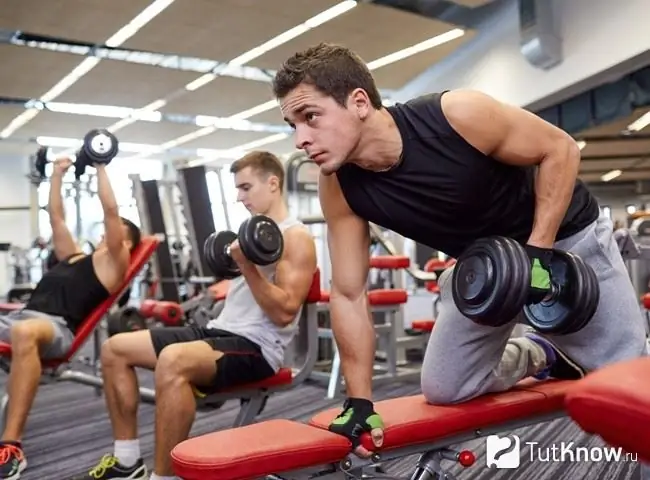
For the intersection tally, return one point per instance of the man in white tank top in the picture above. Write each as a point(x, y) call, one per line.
point(245, 344)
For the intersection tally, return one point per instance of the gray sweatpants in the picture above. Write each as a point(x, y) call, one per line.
point(63, 336)
point(464, 360)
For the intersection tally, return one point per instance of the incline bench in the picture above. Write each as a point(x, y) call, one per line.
point(60, 369)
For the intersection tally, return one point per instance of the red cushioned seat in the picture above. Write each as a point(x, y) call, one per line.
point(281, 445)
point(423, 325)
point(387, 296)
point(378, 298)
point(390, 262)
point(283, 377)
point(10, 307)
point(614, 403)
point(645, 299)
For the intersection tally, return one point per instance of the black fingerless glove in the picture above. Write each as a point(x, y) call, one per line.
point(358, 416)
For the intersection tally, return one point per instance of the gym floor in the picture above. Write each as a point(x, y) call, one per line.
point(68, 431)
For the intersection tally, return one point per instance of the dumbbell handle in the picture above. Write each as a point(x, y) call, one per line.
point(552, 294)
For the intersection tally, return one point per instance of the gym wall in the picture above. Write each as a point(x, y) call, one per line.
point(15, 215)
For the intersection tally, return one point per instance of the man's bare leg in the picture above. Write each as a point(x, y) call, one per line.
point(179, 367)
point(27, 337)
point(120, 354)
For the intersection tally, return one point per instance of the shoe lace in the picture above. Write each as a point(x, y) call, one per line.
point(107, 461)
point(8, 451)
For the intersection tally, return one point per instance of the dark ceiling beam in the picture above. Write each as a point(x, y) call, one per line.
point(617, 156)
point(621, 137)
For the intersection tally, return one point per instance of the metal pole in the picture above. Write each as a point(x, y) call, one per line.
point(224, 201)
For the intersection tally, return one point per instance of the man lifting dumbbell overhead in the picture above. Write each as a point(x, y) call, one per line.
point(64, 297)
point(271, 262)
point(449, 170)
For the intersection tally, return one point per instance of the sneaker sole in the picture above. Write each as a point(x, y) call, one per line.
point(140, 474)
point(21, 467)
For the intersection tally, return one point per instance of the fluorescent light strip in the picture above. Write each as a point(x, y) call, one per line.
point(276, 41)
point(375, 64)
point(380, 62)
point(640, 123)
point(239, 61)
point(417, 48)
point(611, 175)
point(88, 64)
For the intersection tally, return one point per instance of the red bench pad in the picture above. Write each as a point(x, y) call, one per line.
point(283, 377)
point(645, 299)
point(10, 307)
point(256, 450)
point(614, 403)
point(423, 325)
point(389, 262)
point(280, 445)
point(380, 297)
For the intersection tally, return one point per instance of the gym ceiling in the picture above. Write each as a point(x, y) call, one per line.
point(138, 67)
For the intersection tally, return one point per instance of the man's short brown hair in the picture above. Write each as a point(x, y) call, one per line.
point(262, 163)
point(332, 69)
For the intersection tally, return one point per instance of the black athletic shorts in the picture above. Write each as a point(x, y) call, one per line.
point(241, 363)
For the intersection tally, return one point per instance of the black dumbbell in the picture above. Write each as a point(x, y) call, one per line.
point(260, 240)
point(491, 286)
point(99, 148)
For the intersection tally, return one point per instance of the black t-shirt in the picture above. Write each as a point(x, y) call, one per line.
point(69, 290)
point(446, 194)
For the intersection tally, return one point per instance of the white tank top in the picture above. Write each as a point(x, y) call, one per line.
point(243, 316)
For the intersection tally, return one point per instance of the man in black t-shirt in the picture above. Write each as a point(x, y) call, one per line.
point(446, 169)
point(65, 296)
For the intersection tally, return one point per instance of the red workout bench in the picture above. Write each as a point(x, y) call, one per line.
point(60, 369)
point(613, 403)
point(288, 449)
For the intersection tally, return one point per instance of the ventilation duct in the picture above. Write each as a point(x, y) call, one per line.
point(539, 26)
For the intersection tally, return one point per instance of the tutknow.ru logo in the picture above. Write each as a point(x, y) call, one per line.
point(505, 452)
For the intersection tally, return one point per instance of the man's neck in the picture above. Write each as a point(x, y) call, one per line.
point(278, 213)
point(380, 147)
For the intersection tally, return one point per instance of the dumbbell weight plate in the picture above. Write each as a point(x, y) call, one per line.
point(261, 240)
point(490, 281)
point(217, 258)
point(100, 146)
point(576, 301)
point(552, 316)
point(40, 162)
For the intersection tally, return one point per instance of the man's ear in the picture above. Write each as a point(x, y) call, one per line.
point(274, 182)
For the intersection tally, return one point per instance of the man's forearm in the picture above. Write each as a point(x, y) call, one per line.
point(271, 298)
point(55, 202)
point(553, 191)
point(105, 192)
point(355, 339)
